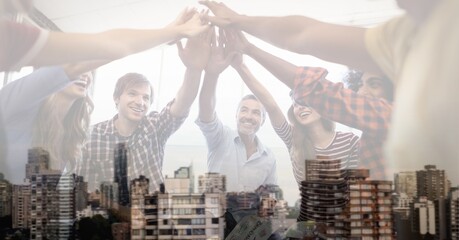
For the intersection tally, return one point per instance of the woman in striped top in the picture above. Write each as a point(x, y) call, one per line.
point(306, 134)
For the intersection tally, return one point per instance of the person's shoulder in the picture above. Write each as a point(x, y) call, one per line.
point(101, 127)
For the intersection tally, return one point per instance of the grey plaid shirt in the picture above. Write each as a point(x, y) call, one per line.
point(145, 149)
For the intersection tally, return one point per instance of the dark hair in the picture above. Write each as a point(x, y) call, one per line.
point(353, 79)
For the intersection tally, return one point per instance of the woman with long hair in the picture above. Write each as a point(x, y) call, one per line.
point(68, 111)
point(49, 109)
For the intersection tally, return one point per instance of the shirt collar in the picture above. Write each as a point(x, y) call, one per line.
point(260, 147)
point(111, 129)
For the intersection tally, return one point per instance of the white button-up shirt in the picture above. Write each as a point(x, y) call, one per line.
point(227, 155)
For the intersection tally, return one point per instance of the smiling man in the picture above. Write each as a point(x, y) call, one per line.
point(143, 134)
point(237, 154)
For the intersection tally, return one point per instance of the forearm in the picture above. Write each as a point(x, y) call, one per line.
point(207, 98)
point(109, 45)
point(187, 93)
point(262, 94)
point(284, 32)
point(22, 94)
point(281, 69)
point(330, 42)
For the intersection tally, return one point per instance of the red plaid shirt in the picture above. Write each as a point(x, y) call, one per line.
point(333, 101)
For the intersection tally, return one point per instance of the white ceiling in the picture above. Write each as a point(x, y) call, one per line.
point(99, 15)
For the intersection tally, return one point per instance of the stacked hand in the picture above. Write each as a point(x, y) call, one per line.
point(196, 53)
point(190, 22)
point(220, 57)
point(224, 16)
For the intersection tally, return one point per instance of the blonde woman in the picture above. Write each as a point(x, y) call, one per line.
point(50, 109)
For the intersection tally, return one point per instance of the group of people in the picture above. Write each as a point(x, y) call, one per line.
point(412, 56)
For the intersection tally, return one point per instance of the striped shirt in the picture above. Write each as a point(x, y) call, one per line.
point(145, 149)
point(343, 147)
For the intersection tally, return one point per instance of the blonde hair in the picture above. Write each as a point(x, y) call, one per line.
point(63, 139)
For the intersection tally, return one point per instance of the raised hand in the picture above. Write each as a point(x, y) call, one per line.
point(196, 53)
point(220, 58)
point(224, 16)
point(184, 16)
point(193, 26)
point(237, 44)
point(237, 40)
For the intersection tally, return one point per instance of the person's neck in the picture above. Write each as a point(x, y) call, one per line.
point(320, 136)
point(248, 140)
point(125, 127)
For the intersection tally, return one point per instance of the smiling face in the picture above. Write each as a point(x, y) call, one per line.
point(249, 116)
point(374, 86)
point(78, 88)
point(305, 115)
point(134, 102)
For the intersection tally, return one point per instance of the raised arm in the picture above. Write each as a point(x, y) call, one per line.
point(114, 44)
point(330, 42)
point(281, 69)
point(218, 62)
point(238, 42)
point(195, 57)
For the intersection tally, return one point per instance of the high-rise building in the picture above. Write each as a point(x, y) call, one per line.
point(405, 182)
point(177, 185)
point(370, 207)
point(432, 183)
point(452, 214)
point(175, 215)
point(81, 193)
point(44, 205)
point(6, 191)
point(423, 217)
point(38, 161)
point(53, 198)
point(21, 206)
point(109, 195)
point(121, 173)
point(324, 196)
point(212, 183)
point(186, 173)
point(139, 190)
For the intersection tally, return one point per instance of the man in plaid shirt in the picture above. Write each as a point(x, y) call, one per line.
point(144, 135)
point(367, 111)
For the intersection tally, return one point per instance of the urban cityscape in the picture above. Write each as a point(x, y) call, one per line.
point(335, 203)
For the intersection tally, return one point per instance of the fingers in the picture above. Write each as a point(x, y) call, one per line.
point(209, 34)
point(222, 37)
point(214, 37)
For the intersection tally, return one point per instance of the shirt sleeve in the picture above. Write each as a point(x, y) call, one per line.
point(333, 101)
point(272, 176)
point(285, 132)
point(20, 44)
point(213, 131)
point(165, 123)
point(389, 43)
point(354, 153)
point(19, 96)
